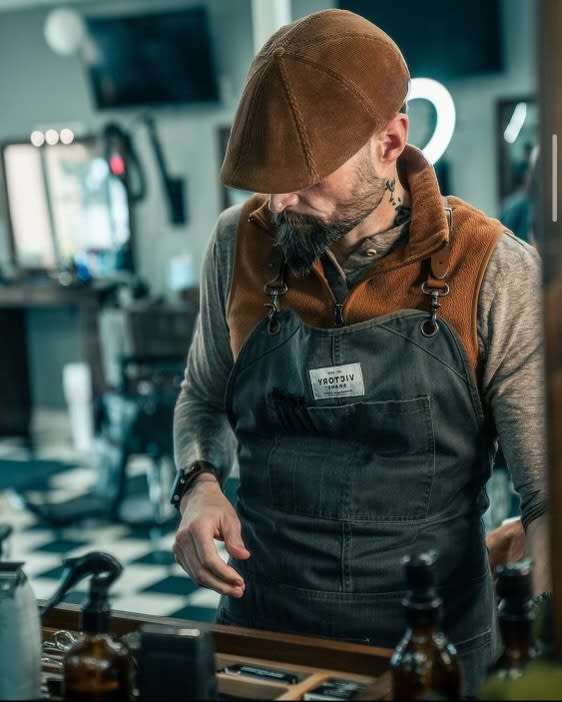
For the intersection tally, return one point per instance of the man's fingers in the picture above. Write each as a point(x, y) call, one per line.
point(207, 517)
point(233, 540)
point(211, 564)
point(187, 558)
point(208, 580)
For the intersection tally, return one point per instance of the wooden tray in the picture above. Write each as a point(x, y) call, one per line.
point(312, 660)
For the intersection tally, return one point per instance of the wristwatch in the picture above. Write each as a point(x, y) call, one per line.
point(187, 476)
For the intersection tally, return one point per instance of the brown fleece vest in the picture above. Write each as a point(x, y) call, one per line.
point(392, 283)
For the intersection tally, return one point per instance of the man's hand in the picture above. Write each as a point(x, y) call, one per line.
point(506, 544)
point(538, 549)
point(208, 515)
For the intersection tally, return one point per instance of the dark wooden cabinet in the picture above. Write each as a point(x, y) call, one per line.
point(15, 300)
point(15, 392)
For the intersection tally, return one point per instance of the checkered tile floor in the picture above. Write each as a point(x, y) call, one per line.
point(151, 583)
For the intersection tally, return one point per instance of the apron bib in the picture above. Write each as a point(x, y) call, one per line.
point(358, 445)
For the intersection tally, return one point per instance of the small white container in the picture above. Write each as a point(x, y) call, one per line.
point(77, 386)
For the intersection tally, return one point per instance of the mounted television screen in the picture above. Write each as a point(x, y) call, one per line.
point(151, 59)
point(440, 39)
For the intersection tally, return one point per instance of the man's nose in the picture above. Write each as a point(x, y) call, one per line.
point(280, 201)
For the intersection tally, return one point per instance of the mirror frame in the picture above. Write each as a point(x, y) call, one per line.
point(505, 107)
point(22, 272)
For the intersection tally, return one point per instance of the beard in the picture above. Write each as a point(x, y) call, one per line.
point(304, 238)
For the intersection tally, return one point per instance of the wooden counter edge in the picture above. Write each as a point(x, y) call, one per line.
point(256, 643)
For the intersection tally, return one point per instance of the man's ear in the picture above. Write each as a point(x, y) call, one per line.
point(390, 142)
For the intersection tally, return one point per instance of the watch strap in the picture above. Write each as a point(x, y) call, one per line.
point(187, 476)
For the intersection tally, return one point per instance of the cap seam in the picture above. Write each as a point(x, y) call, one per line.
point(298, 122)
point(251, 112)
point(386, 40)
point(344, 82)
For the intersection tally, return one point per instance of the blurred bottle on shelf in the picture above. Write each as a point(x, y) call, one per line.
point(424, 664)
point(526, 669)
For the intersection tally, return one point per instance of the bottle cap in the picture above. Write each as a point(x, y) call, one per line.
point(419, 569)
point(420, 578)
point(515, 579)
point(514, 585)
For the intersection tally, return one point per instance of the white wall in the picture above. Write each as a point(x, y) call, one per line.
point(39, 88)
point(472, 154)
point(42, 88)
point(473, 149)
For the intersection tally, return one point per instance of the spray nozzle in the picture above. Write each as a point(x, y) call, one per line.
point(104, 568)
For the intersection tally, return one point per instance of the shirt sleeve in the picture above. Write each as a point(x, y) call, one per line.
point(201, 428)
point(510, 330)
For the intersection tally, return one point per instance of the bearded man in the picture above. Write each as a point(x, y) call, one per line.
point(362, 343)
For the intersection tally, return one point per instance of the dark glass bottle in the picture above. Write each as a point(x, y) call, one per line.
point(523, 672)
point(97, 667)
point(424, 664)
point(515, 612)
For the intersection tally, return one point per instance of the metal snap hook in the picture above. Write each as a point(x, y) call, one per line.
point(439, 292)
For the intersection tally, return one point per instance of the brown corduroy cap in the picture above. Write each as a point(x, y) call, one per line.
point(315, 94)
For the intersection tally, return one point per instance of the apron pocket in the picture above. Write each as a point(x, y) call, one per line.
point(307, 476)
point(361, 461)
point(389, 428)
point(392, 473)
point(367, 617)
point(475, 655)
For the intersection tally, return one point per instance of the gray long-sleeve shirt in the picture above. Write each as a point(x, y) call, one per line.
point(510, 345)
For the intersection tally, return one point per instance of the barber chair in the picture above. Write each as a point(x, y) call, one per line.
point(144, 347)
point(135, 421)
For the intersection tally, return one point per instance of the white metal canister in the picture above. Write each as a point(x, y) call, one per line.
point(20, 636)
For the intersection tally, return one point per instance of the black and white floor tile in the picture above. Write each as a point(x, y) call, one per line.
point(151, 582)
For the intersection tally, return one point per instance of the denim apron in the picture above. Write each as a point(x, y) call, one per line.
point(358, 445)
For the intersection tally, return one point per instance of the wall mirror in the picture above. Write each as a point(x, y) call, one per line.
point(66, 206)
point(517, 134)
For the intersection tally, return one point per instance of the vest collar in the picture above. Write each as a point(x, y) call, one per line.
point(429, 227)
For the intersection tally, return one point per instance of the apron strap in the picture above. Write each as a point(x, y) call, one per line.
point(275, 288)
point(435, 284)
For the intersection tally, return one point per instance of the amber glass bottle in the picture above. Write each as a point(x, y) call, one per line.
point(424, 664)
point(522, 672)
point(97, 667)
point(515, 614)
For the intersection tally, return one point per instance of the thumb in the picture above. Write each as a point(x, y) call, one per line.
point(233, 539)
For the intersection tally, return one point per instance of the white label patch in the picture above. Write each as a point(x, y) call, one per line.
point(337, 381)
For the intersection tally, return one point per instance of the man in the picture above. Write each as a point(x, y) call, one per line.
point(360, 341)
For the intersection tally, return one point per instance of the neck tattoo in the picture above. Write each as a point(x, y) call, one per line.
point(402, 212)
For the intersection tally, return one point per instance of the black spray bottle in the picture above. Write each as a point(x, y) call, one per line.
point(96, 667)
